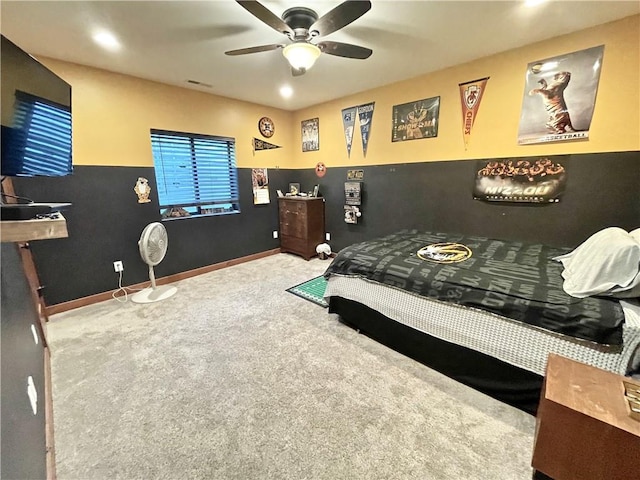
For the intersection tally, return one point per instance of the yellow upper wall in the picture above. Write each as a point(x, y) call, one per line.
point(615, 125)
point(113, 113)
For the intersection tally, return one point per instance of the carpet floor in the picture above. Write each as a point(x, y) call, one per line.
point(235, 378)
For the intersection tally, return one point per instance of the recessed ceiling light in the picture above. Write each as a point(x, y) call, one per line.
point(107, 40)
point(533, 3)
point(286, 91)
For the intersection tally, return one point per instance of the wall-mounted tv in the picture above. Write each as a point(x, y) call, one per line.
point(36, 116)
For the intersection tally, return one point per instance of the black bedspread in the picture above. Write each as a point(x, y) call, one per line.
point(512, 279)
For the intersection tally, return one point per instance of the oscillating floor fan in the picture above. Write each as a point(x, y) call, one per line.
point(153, 247)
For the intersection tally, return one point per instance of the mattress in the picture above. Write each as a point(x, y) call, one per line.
point(520, 344)
point(511, 279)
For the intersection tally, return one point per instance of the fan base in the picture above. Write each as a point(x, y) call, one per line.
point(150, 295)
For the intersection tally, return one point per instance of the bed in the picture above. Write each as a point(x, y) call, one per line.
point(486, 312)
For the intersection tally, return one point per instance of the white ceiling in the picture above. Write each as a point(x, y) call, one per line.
point(176, 41)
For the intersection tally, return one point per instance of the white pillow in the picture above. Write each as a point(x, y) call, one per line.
point(607, 263)
point(635, 234)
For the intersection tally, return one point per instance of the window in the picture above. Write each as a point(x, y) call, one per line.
point(39, 143)
point(196, 174)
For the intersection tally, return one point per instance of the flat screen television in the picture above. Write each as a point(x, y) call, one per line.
point(36, 117)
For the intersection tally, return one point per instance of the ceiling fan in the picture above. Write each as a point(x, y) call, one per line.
point(301, 25)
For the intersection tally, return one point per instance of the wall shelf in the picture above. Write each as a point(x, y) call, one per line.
point(37, 229)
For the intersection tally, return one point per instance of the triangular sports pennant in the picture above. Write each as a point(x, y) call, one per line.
point(365, 114)
point(349, 121)
point(470, 96)
point(262, 145)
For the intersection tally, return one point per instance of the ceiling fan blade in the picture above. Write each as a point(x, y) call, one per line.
point(265, 15)
point(261, 48)
point(339, 17)
point(296, 72)
point(345, 50)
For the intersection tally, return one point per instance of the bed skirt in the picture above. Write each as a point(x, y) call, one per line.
point(500, 380)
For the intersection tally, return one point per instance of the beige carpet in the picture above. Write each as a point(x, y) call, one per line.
point(234, 378)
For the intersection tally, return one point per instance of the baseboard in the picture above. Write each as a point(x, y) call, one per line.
point(100, 297)
point(48, 415)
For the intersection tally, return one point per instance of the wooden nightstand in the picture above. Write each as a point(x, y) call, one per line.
point(583, 430)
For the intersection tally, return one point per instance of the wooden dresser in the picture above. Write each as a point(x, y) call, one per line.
point(301, 225)
point(584, 431)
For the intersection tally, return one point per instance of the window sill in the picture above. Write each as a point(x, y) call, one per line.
point(201, 215)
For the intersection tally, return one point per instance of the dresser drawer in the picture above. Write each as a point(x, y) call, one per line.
point(294, 244)
point(293, 225)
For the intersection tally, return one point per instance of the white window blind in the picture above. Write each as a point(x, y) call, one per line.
point(196, 174)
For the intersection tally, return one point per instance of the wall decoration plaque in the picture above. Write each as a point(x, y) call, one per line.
point(522, 180)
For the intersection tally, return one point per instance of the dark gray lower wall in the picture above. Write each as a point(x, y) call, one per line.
point(105, 220)
point(602, 190)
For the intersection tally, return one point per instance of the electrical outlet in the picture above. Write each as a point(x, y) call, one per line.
point(275, 234)
point(117, 266)
point(32, 393)
point(327, 236)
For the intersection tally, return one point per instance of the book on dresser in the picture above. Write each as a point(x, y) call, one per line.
point(301, 225)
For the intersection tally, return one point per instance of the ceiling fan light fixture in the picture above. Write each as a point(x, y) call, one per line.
point(301, 55)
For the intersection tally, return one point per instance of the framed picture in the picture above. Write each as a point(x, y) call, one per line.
point(310, 135)
point(294, 188)
point(415, 120)
point(316, 188)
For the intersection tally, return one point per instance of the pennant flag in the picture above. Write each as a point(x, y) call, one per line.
point(262, 145)
point(349, 121)
point(470, 96)
point(365, 114)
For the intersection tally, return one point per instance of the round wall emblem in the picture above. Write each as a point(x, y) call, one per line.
point(321, 169)
point(445, 252)
point(266, 127)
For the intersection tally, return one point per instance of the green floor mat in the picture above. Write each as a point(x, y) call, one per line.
point(312, 290)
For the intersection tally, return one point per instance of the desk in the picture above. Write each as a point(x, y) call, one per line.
point(583, 429)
